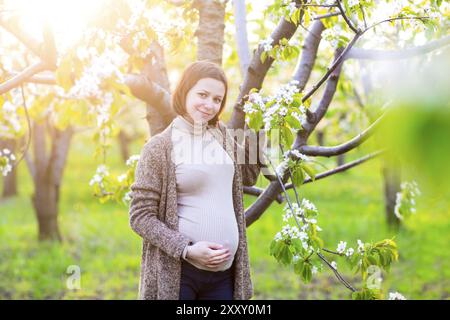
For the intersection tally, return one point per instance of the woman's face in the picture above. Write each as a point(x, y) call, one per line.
point(204, 99)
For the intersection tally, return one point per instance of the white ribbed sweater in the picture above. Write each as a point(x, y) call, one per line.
point(204, 174)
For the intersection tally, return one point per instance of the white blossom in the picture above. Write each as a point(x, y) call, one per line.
point(267, 44)
point(308, 205)
point(100, 174)
point(299, 155)
point(405, 199)
point(6, 160)
point(127, 197)
point(291, 8)
point(353, 3)
point(248, 108)
point(349, 252)
point(278, 237)
point(282, 168)
point(341, 247)
point(360, 246)
point(314, 270)
point(334, 265)
point(396, 296)
point(132, 160)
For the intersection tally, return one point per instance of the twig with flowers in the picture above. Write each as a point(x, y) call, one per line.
point(298, 245)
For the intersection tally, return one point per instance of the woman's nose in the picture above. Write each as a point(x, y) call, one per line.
point(209, 105)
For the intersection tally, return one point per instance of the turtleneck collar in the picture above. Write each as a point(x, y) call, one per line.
point(184, 125)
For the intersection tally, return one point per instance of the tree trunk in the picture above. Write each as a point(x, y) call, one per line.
point(45, 202)
point(210, 31)
point(391, 180)
point(123, 143)
point(47, 170)
point(10, 181)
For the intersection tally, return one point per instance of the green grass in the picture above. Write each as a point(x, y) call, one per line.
point(97, 238)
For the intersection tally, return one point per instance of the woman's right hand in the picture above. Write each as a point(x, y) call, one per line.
point(208, 254)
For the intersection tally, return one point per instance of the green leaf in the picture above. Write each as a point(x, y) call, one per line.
point(272, 247)
point(307, 273)
point(277, 249)
point(372, 260)
point(309, 170)
point(63, 74)
point(256, 120)
point(263, 57)
point(288, 138)
point(286, 255)
point(293, 122)
point(298, 267)
point(297, 176)
point(307, 17)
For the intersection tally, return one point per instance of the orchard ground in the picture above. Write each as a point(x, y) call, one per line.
point(98, 239)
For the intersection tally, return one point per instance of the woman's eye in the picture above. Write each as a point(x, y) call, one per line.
point(218, 100)
point(201, 94)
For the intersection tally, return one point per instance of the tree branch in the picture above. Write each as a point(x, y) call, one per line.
point(254, 191)
point(337, 274)
point(241, 34)
point(344, 147)
point(257, 70)
point(331, 69)
point(309, 54)
point(13, 27)
point(23, 76)
point(358, 53)
point(347, 20)
point(40, 78)
point(328, 15)
point(341, 168)
point(313, 117)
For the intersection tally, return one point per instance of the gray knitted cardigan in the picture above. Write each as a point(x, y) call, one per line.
point(153, 216)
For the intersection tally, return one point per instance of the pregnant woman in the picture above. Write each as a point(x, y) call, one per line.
point(187, 198)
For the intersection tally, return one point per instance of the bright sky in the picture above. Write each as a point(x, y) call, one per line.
point(66, 17)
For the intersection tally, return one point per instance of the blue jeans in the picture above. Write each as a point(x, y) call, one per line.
point(197, 284)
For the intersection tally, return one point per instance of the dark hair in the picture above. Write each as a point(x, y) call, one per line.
point(191, 75)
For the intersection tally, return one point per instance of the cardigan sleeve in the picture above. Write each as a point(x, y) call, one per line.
point(145, 199)
point(249, 169)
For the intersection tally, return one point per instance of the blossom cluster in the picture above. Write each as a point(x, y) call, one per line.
point(342, 249)
point(276, 106)
point(133, 160)
point(6, 160)
point(290, 7)
point(396, 296)
point(293, 154)
point(99, 176)
point(10, 122)
point(305, 212)
point(267, 44)
point(105, 66)
point(296, 154)
point(405, 199)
